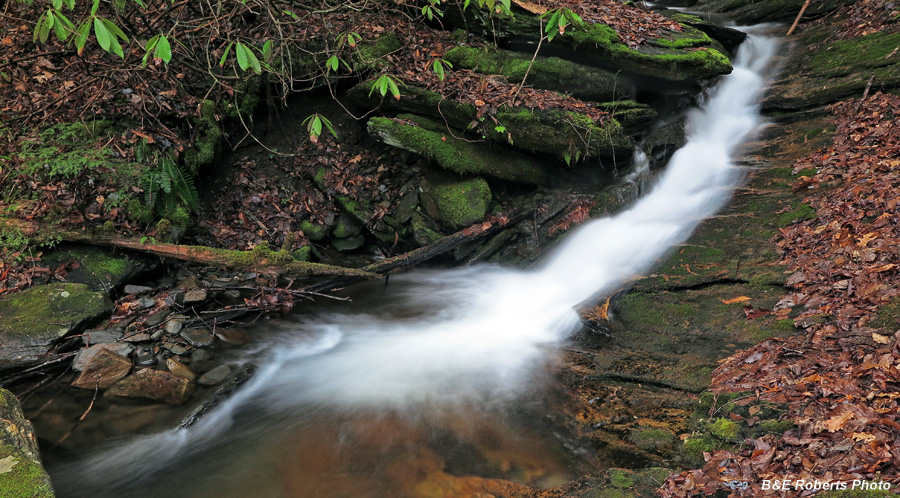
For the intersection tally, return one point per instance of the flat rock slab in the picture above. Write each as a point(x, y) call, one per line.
point(153, 384)
point(86, 355)
point(105, 369)
point(99, 268)
point(31, 320)
point(21, 472)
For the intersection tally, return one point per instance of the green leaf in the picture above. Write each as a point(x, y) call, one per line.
point(316, 127)
point(225, 55)
point(111, 26)
point(42, 28)
point(94, 7)
point(70, 4)
point(163, 49)
point(394, 90)
point(332, 63)
point(466, 4)
point(241, 52)
point(103, 36)
point(57, 4)
point(81, 36)
point(63, 26)
point(267, 50)
point(330, 128)
point(439, 69)
point(148, 48)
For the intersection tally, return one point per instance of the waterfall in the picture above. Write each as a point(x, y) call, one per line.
point(478, 332)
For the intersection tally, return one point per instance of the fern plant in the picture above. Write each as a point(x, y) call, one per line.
point(167, 186)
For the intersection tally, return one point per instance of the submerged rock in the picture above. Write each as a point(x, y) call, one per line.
point(105, 369)
point(84, 357)
point(21, 472)
point(35, 318)
point(153, 384)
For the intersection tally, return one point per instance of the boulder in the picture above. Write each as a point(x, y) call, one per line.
point(456, 201)
point(758, 11)
point(21, 472)
point(32, 320)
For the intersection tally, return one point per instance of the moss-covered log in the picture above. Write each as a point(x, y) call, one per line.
point(564, 134)
point(260, 259)
point(460, 156)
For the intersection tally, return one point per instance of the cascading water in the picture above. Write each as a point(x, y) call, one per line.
point(477, 333)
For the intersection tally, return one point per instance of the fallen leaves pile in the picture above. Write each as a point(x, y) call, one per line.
point(863, 18)
point(840, 378)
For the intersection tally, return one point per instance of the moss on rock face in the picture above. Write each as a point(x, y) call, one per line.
point(209, 139)
point(101, 269)
point(457, 202)
point(21, 473)
point(550, 73)
point(457, 155)
point(36, 317)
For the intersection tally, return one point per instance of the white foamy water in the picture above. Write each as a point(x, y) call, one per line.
point(478, 333)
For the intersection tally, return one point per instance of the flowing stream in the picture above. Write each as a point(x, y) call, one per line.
point(338, 403)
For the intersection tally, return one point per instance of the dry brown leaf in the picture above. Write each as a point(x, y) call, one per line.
point(881, 339)
point(739, 299)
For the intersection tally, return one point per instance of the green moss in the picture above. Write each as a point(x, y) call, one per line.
point(689, 37)
point(855, 493)
point(314, 231)
point(551, 73)
point(303, 254)
point(37, 316)
point(370, 53)
point(651, 438)
point(724, 429)
point(26, 479)
point(802, 213)
point(619, 479)
point(208, 141)
point(456, 155)
point(695, 445)
point(844, 57)
point(461, 202)
point(773, 427)
point(671, 63)
point(888, 316)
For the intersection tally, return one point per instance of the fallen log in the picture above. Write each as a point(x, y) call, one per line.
point(260, 259)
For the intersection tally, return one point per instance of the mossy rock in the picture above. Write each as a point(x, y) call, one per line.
point(21, 472)
point(101, 269)
point(678, 57)
point(837, 70)
point(456, 155)
point(549, 73)
point(369, 55)
point(34, 318)
point(349, 244)
point(456, 201)
point(314, 231)
point(346, 226)
point(424, 230)
point(564, 134)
